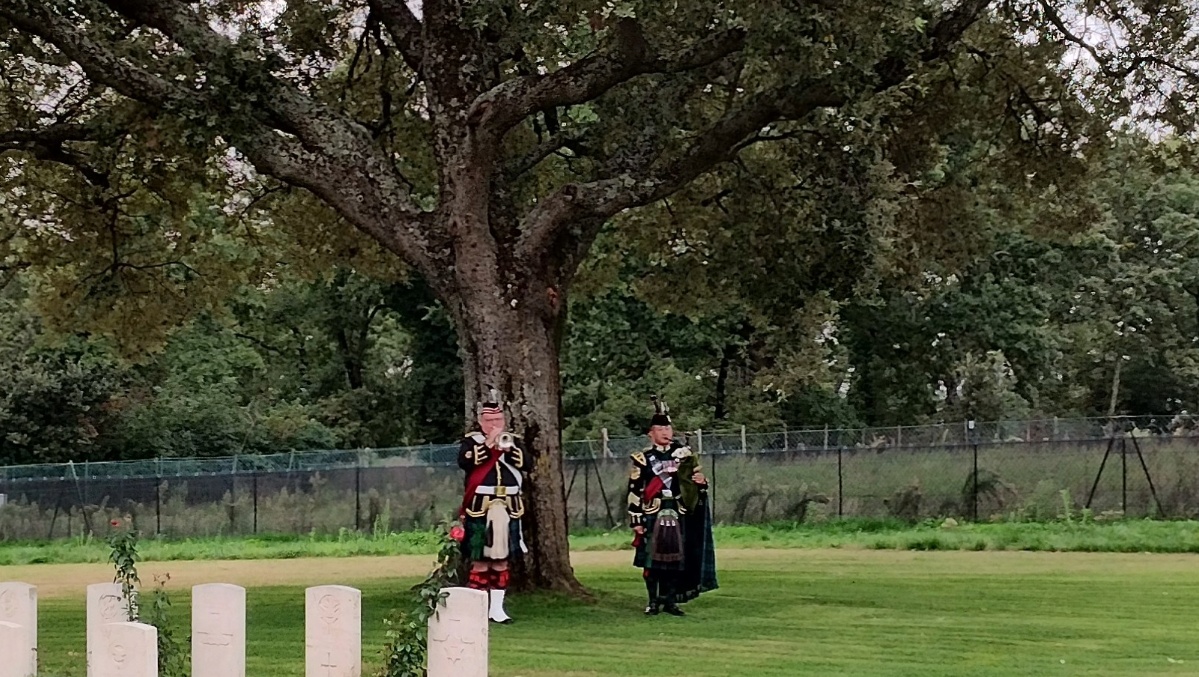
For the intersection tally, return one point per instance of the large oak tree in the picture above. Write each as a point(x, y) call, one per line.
point(481, 143)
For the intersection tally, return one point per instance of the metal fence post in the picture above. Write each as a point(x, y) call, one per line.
point(1124, 476)
point(826, 437)
point(358, 494)
point(699, 442)
point(586, 494)
point(158, 496)
point(974, 489)
point(604, 440)
point(840, 484)
point(972, 438)
point(255, 501)
point(712, 488)
point(744, 448)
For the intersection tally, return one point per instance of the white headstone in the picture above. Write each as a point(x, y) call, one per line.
point(218, 631)
point(106, 604)
point(458, 635)
point(12, 638)
point(18, 613)
point(333, 631)
point(127, 650)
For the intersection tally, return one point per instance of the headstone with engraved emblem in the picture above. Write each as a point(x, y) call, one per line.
point(458, 635)
point(18, 630)
point(333, 631)
point(106, 604)
point(218, 630)
point(126, 650)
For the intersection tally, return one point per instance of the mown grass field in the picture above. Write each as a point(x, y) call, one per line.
point(1058, 536)
point(779, 612)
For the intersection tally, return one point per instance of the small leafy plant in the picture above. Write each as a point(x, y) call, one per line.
point(124, 556)
point(407, 630)
point(122, 543)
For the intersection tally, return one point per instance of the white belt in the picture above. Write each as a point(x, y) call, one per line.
point(497, 491)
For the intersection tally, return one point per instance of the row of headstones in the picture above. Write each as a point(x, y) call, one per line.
point(458, 634)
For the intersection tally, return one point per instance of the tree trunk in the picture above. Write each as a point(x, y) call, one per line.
point(351, 359)
point(515, 348)
point(722, 378)
point(1115, 400)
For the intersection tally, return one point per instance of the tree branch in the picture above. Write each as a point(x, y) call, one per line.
point(47, 144)
point(283, 132)
point(606, 197)
point(519, 165)
point(1104, 61)
point(504, 106)
point(405, 29)
point(100, 64)
point(560, 214)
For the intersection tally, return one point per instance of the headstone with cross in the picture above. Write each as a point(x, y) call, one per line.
point(458, 635)
point(218, 631)
point(333, 631)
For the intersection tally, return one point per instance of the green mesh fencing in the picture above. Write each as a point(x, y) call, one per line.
point(988, 470)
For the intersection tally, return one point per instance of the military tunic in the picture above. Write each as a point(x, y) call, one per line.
point(502, 483)
point(696, 570)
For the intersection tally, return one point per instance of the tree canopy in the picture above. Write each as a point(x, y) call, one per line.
point(789, 159)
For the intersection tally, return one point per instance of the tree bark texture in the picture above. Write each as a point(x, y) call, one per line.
point(514, 348)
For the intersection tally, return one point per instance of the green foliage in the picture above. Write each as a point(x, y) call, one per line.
point(405, 653)
point(975, 240)
point(123, 555)
point(172, 648)
point(55, 395)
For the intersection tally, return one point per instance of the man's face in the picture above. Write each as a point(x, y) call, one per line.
point(491, 422)
point(661, 435)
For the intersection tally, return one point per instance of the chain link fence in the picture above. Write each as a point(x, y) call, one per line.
point(982, 471)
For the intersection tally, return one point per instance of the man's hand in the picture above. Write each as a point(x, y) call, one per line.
point(493, 440)
point(639, 530)
point(699, 478)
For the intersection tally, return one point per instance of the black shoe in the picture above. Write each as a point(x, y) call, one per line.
point(674, 610)
point(652, 610)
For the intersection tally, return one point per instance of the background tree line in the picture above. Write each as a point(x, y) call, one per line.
point(1072, 305)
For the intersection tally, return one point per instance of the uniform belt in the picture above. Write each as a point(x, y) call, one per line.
point(497, 491)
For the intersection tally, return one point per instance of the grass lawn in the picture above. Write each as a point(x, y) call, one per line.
point(779, 612)
point(1057, 536)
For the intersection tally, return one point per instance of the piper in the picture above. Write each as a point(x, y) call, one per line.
point(671, 520)
point(493, 504)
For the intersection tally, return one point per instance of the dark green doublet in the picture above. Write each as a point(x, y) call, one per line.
point(698, 567)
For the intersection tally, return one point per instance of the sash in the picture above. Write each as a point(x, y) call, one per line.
point(475, 478)
point(653, 488)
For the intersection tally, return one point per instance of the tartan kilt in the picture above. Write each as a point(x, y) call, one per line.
point(697, 571)
point(476, 538)
point(642, 559)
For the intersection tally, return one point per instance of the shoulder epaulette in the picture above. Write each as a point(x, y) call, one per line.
point(638, 457)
